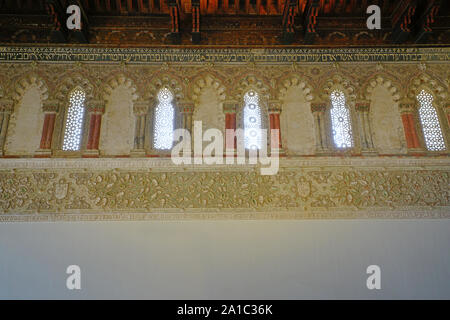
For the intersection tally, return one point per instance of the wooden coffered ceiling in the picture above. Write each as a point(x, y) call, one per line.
point(237, 23)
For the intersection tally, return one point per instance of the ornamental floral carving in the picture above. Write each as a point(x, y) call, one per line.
point(362, 191)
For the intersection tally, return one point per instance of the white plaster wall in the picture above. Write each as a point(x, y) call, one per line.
point(297, 259)
point(387, 127)
point(25, 126)
point(117, 129)
point(297, 123)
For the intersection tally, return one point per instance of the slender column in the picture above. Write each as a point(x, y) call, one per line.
point(95, 111)
point(137, 130)
point(50, 109)
point(274, 117)
point(363, 108)
point(96, 134)
point(44, 132)
point(186, 109)
point(447, 109)
point(407, 110)
point(6, 108)
point(140, 110)
point(141, 138)
point(229, 108)
point(318, 110)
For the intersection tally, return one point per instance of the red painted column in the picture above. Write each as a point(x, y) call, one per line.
point(44, 132)
point(98, 122)
point(91, 131)
point(95, 111)
point(229, 108)
point(274, 119)
point(230, 123)
point(50, 109)
point(94, 131)
point(409, 125)
point(50, 129)
point(277, 126)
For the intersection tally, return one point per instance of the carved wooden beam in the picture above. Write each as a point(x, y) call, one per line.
point(174, 10)
point(196, 35)
point(310, 21)
point(140, 5)
point(427, 19)
point(57, 15)
point(83, 34)
point(289, 12)
point(151, 6)
point(402, 20)
point(108, 5)
point(119, 5)
point(98, 6)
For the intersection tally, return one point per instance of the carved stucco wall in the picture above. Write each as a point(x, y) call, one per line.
point(343, 186)
point(295, 88)
point(95, 189)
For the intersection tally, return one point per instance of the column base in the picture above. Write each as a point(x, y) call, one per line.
point(91, 153)
point(43, 153)
point(230, 153)
point(137, 153)
point(323, 152)
point(369, 152)
point(281, 152)
point(416, 152)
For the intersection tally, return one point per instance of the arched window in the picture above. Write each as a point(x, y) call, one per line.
point(340, 121)
point(430, 122)
point(74, 121)
point(164, 121)
point(252, 121)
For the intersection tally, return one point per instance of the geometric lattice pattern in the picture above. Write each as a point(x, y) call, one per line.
point(252, 121)
point(340, 121)
point(430, 122)
point(74, 121)
point(164, 121)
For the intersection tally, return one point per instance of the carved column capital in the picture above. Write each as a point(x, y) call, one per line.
point(6, 105)
point(447, 108)
point(141, 107)
point(407, 106)
point(96, 106)
point(50, 106)
point(186, 107)
point(230, 106)
point(318, 107)
point(362, 106)
point(274, 106)
point(447, 111)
